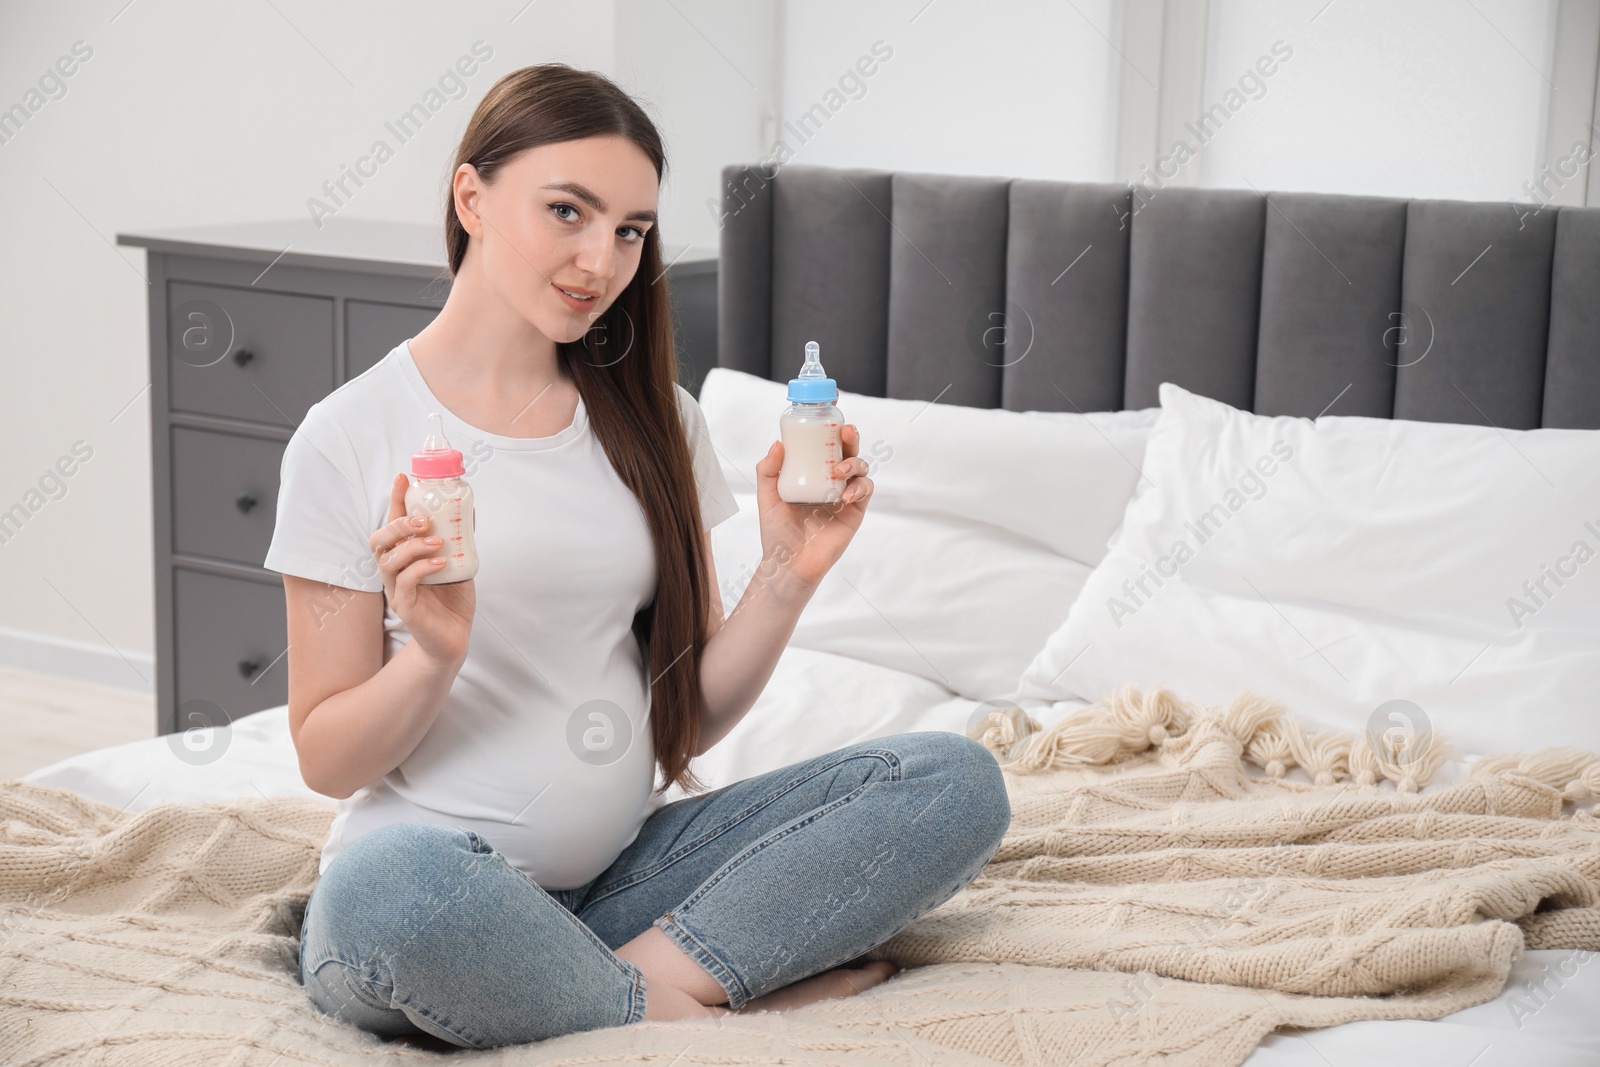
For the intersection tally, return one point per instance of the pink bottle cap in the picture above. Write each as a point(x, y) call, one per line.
point(437, 459)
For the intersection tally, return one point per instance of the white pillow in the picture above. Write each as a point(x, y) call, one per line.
point(252, 756)
point(815, 703)
point(974, 545)
point(1061, 479)
point(937, 596)
point(1340, 564)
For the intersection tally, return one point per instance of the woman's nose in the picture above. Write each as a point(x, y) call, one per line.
point(597, 257)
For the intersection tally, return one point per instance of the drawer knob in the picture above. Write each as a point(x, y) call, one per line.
point(243, 356)
point(247, 667)
point(245, 502)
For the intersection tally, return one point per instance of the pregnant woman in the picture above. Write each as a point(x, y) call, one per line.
point(501, 869)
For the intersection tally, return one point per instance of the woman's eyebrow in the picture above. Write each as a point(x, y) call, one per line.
point(594, 201)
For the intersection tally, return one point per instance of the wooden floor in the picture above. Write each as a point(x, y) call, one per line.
point(46, 718)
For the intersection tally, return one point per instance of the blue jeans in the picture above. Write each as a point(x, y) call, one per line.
point(425, 927)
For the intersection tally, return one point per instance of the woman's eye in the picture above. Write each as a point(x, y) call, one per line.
point(636, 233)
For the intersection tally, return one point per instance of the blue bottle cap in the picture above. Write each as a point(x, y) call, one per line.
point(813, 386)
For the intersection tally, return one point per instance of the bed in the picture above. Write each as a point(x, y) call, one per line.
point(1544, 1014)
point(1010, 350)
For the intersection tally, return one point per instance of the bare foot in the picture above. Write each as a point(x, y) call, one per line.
point(844, 981)
point(666, 1003)
point(425, 1041)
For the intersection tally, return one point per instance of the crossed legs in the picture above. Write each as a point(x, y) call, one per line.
point(682, 989)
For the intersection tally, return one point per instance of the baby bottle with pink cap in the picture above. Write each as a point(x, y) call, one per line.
point(439, 492)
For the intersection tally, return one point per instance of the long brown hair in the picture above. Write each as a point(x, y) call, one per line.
point(626, 370)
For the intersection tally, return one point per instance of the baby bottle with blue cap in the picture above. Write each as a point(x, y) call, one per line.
point(809, 430)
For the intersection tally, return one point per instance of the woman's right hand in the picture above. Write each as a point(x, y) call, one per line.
point(438, 616)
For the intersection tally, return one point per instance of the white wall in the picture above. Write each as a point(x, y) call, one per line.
point(1025, 88)
point(1427, 98)
point(706, 72)
point(190, 113)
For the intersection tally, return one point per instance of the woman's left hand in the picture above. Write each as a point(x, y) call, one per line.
point(807, 539)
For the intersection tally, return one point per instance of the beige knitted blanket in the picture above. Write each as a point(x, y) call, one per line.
point(1153, 898)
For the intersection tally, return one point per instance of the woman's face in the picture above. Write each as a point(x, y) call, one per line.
point(570, 215)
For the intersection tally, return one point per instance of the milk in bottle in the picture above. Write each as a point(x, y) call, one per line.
point(439, 491)
point(809, 429)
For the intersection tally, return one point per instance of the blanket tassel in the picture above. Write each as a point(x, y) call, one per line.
point(1129, 721)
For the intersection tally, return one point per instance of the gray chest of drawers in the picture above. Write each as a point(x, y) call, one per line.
point(250, 325)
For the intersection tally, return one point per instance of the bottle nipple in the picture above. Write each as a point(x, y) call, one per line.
point(812, 385)
point(812, 368)
point(436, 440)
point(436, 459)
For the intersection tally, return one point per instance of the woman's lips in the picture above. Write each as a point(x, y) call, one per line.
point(573, 302)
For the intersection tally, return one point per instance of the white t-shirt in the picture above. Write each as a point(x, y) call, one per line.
point(542, 746)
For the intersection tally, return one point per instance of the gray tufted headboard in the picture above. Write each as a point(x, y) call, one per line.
point(1026, 294)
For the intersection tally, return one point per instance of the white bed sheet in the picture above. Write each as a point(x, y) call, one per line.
point(819, 701)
